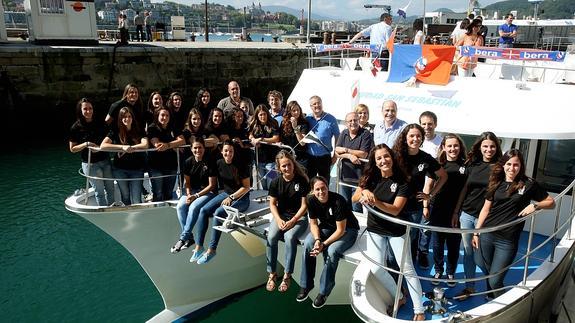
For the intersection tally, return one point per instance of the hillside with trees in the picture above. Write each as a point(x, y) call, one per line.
point(549, 9)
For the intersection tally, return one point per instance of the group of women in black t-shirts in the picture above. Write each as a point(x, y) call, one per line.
point(481, 188)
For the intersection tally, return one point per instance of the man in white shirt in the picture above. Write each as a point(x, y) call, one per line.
point(378, 34)
point(428, 120)
point(387, 131)
point(457, 30)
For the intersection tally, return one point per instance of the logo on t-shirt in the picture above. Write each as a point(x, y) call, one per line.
point(296, 187)
point(521, 190)
point(461, 170)
point(421, 167)
point(393, 187)
point(330, 211)
point(205, 168)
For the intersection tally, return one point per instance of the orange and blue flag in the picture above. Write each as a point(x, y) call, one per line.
point(429, 64)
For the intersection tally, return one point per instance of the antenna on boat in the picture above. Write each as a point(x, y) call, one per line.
point(382, 6)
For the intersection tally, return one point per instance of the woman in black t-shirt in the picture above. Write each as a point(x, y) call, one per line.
point(451, 158)
point(195, 128)
point(215, 127)
point(200, 184)
point(163, 162)
point(484, 153)
point(264, 129)
point(128, 163)
point(293, 128)
point(89, 132)
point(509, 195)
point(204, 103)
point(155, 101)
point(178, 111)
point(131, 99)
point(384, 187)
point(288, 207)
point(215, 132)
point(237, 128)
point(234, 179)
point(419, 166)
point(333, 230)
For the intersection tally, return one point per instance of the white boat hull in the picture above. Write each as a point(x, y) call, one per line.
point(149, 232)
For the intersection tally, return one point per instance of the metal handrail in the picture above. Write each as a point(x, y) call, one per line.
point(100, 149)
point(275, 144)
point(333, 57)
point(338, 181)
point(526, 257)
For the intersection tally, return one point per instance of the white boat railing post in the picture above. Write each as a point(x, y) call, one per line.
point(557, 216)
point(571, 214)
point(88, 176)
point(338, 168)
point(528, 255)
point(258, 179)
point(406, 249)
point(178, 175)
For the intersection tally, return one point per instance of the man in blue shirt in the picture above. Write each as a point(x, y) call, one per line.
point(324, 127)
point(507, 32)
point(386, 131)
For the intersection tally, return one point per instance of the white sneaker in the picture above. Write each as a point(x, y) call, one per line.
point(451, 284)
point(178, 246)
point(436, 276)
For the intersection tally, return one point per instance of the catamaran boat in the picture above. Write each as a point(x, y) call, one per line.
point(535, 117)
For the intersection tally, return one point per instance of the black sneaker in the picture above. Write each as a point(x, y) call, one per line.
point(422, 261)
point(319, 301)
point(178, 246)
point(302, 295)
point(436, 276)
point(188, 243)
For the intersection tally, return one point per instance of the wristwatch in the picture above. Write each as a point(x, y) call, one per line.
point(232, 197)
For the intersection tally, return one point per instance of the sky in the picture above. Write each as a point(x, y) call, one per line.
point(351, 9)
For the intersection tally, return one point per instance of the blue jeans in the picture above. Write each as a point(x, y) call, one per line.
point(163, 187)
point(104, 190)
point(504, 45)
point(269, 169)
point(291, 240)
point(214, 207)
point(188, 214)
point(493, 255)
point(331, 256)
point(419, 238)
point(467, 221)
point(130, 190)
point(377, 250)
point(347, 192)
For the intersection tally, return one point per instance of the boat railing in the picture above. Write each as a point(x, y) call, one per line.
point(88, 176)
point(525, 259)
point(338, 180)
point(554, 42)
point(345, 58)
point(278, 145)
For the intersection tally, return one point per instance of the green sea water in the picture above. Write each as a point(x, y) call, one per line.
point(57, 267)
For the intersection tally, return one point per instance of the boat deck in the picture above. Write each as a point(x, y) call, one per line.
point(355, 255)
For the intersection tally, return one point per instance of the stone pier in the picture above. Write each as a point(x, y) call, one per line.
point(44, 82)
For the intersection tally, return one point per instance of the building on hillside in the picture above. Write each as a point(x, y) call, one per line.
point(438, 17)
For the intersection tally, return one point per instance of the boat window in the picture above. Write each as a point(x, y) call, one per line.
point(52, 7)
point(523, 146)
point(555, 164)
